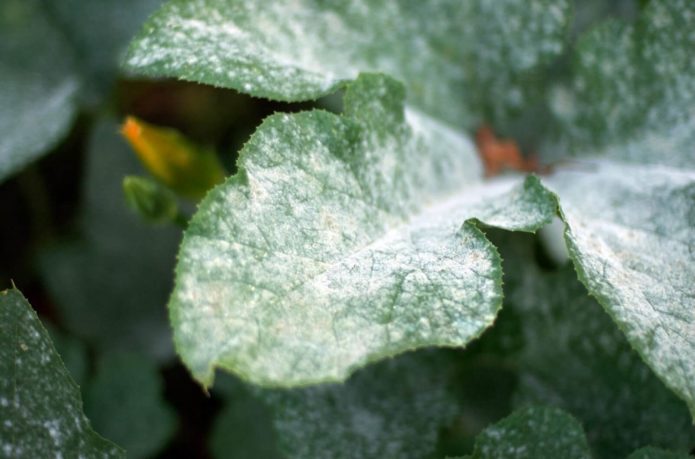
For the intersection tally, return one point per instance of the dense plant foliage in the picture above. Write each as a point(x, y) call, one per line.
point(356, 281)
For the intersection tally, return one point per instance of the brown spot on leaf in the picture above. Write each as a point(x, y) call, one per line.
point(503, 154)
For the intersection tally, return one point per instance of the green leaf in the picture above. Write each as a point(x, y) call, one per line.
point(630, 234)
point(111, 283)
point(568, 352)
point(656, 453)
point(153, 202)
point(38, 85)
point(393, 409)
point(333, 221)
point(124, 401)
point(533, 433)
point(633, 89)
point(40, 405)
point(290, 50)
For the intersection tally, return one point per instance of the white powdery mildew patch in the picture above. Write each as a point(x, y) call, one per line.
point(338, 248)
point(392, 410)
point(631, 232)
point(294, 49)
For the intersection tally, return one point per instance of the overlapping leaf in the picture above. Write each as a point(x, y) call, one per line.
point(567, 351)
point(318, 192)
point(40, 405)
point(300, 50)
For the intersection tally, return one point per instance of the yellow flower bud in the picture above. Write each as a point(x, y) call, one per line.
point(172, 159)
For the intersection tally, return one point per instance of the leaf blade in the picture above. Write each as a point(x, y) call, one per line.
point(40, 404)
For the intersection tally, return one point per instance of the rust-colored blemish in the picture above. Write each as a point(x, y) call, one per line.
point(500, 154)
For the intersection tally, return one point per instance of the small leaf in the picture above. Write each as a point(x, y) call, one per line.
point(533, 433)
point(185, 168)
point(40, 405)
point(151, 201)
point(124, 401)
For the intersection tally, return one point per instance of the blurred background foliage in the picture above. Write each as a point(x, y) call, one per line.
point(99, 275)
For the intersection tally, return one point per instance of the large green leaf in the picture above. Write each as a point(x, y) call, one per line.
point(291, 50)
point(567, 351)
point(630, 234)
point(111, 282)
point(629, 227)
point(533, 433)
point(40, 405)
point(124, 401)
point(38, 84)
point(335, 245)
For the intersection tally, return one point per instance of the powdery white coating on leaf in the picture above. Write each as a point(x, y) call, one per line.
point(40, 405)
point(301, 49)
point(533, 433)
point(570, 351)
point(38, 85)
point(394, 409)
point(632, 96)
point(336, 246)
point(630, 234)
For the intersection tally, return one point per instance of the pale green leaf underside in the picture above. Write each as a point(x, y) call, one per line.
point(298, 50)
point(533, 433)
point(336, 245)
point(37, 85)
point(40, 405)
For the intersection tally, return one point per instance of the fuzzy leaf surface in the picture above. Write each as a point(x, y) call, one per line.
point(395, 408)
point(334, 221)
point(40, 405)
point(632, 91)
point(567, 351)
point(630, 234)
point(290, 50)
